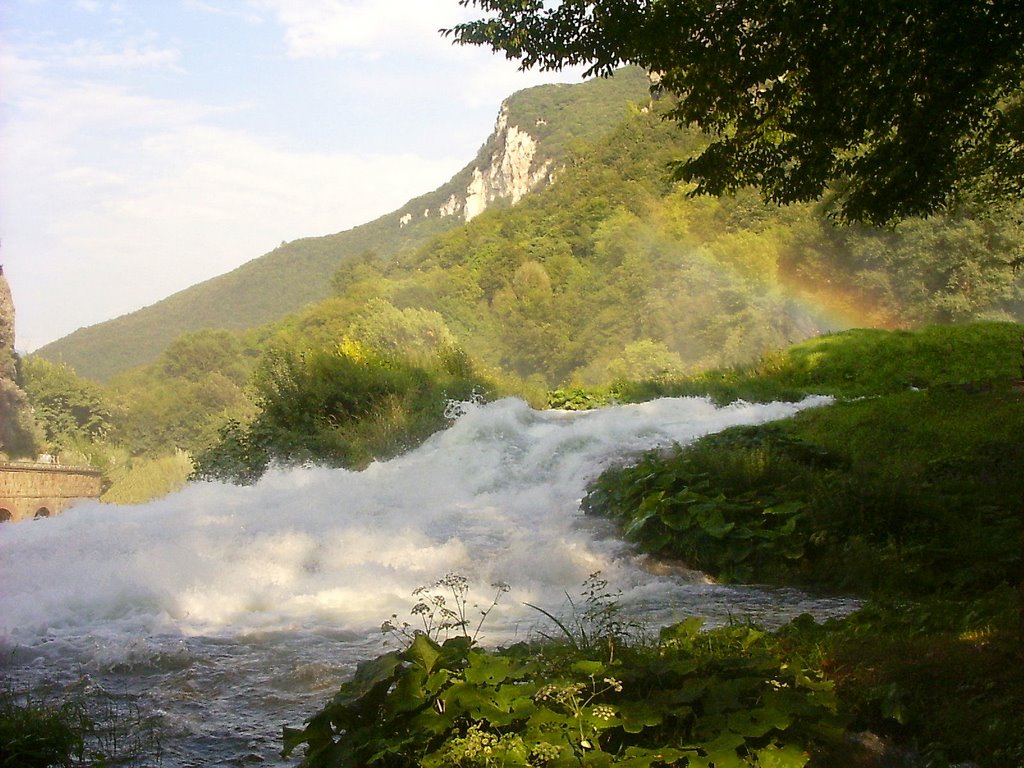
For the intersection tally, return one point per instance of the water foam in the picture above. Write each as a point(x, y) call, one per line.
point(222, 606)
point(495, 498)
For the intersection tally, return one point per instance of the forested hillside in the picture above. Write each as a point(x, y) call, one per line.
point(615, 272)
point(611, 268)
point(611, 271)
point(554, 117)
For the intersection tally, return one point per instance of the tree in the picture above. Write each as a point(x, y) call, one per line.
point(72, 410)
point(192, 356)
point(888, 108)
point(412, 333)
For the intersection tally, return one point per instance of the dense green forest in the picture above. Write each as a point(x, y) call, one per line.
point(613, 271)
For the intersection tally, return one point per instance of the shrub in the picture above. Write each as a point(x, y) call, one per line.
point(342, 407)
point(719, 698)
point(80, 728)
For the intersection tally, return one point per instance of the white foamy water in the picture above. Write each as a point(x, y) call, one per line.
point(231, 611)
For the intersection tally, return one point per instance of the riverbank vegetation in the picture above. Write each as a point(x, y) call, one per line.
point(722, 698)
point(344, 407)
point(74, 727)
point(906, 491)
point(909, 484)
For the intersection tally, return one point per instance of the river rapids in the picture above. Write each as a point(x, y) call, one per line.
point(223, 613)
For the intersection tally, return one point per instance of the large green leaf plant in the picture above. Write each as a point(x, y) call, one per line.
point(722, 698)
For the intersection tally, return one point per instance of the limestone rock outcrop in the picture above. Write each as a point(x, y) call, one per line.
point(19, 434)
point(511, 174)
point(511, 169)
point(7, 367)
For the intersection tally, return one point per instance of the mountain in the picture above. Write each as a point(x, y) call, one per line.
point(618, 272)
point(533, 135)
point(612, 272)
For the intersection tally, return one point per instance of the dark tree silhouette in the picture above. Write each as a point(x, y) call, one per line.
point(888, 108)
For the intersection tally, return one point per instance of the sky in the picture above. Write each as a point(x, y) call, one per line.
point(148, 145)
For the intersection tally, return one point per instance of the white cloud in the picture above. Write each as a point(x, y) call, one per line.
point(329, 28)
point(393, 34)
point(137, 197)
point(53, 122)
point(92, 54)
point(260, 193)
point(219, 10)
point(215, 198)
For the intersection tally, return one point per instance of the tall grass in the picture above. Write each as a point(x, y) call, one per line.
point(80, 726)
point(143, 479)
point(860, 363)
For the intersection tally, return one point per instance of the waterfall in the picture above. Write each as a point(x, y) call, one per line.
point(231, 611)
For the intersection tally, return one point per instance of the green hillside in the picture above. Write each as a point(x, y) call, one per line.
point(615, 272)
point(610, 273)
point(299, 272)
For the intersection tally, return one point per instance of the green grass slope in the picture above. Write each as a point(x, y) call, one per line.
point(862, 362)
point(299, 272)
point(908, 490)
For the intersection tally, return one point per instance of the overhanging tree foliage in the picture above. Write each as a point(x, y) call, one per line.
point(891, 108)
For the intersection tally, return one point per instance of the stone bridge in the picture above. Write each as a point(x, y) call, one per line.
point(29, 490)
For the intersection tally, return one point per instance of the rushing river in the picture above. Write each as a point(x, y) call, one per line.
point(228, 612)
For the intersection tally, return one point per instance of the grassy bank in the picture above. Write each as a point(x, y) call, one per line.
point(909, 490)
point(908, 494)
point(77, 726)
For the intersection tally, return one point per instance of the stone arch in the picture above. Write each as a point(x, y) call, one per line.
point(32, 490)
point(5, 515)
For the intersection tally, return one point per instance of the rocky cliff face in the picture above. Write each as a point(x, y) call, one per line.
point(510, 169)
point(6, 330)
point(19, 435)
point(512, 172)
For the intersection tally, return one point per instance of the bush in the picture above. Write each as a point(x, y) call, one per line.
point(341, 407)
point(730, 505)
point(721, 698)
point(36, 736)
point(80, 728)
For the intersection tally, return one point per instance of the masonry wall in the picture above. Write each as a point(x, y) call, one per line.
point(42, 490)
